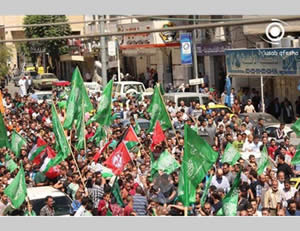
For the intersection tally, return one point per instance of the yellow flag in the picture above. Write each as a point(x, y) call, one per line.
point(2, 110)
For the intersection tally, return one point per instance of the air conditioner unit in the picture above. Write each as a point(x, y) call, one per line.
point(295, 42)
point(287, 41)
point(219, 34)
point(260, 45)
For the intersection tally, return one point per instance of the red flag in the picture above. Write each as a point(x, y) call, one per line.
point(130, 135)
point(98, 154)
point(158, 136)
point(53, 172)
point(118, 159)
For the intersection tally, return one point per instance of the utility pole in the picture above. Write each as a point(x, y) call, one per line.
point(195, 62)
point(103, 54)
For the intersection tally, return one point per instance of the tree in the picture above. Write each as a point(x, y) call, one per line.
point(55, 48)
point(5, 54)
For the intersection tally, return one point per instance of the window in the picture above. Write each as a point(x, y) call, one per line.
point(136, 87)
point(188, 100)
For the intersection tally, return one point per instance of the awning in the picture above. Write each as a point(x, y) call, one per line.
point(66, 58)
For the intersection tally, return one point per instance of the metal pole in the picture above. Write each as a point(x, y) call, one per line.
point(103, 54)
point(195, 61)
point(118, 60)
point(262, 93)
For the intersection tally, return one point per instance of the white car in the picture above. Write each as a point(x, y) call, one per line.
point(37, 196)
point(93, 87)
point(187, 97)
point(41, 96)
point(132, 87)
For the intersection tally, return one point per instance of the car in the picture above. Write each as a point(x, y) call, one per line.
point(93, 87)
point(187, 97)
point(41, 96)
point(218, 108)
point(271, 124)
point(132, 87)
point(31, 73)
point(37, 195)
point(143, 123)
point(44, 81)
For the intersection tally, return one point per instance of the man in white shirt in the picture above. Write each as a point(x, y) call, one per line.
point(249, 108)
point(23, 86)
point(220, 181)
point(288, 192)
point(182, 106)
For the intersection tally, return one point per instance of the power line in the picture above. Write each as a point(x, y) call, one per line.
point(175, 28)
point(75, 22)
point(122, 18)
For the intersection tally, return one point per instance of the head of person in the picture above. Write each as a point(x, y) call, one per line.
point(280, 212)
point(265, 212)
point(219, 173)
point(207, 208)
point(281, 158)
point(274, 185)
point(106, 196)
point(287, 184)
point(49, 201)
point(292, 207)
point(243, 213)
point(225, 168)
point(282, 125)
point(253, 203)
point(261, 121)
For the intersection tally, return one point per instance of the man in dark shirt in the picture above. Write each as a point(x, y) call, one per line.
point(260, 128)
point(284, 167)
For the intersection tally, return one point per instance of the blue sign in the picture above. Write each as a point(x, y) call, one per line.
point(186, 48)
point(266, 62)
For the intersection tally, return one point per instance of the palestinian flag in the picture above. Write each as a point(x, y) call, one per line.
point(37, 149)
point(130, 138)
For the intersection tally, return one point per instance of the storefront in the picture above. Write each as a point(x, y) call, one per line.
point(211, 62)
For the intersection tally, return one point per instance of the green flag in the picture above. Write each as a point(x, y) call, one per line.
point(296, 158)
point(231, 155)
point(99, 135)
point(80, 128)
point(3, 134)
point(17, 142)
point(205, 192)
point(103, 114)
point(165, 162)
point(198, 155)
point(186, 190)
point(162, 91)
point(230, 201)
point(137, 128)
point(78, 91)
point(296, 127)
point(263, 161)
point(116, 192)
point(158, 111)
point(16, 190)
point(10, 164)
point(62, 146)
point(198, 158)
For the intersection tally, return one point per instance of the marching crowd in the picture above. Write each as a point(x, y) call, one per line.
point(267, 194)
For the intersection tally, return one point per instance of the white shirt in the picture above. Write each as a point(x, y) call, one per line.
point(223, 184)
point(80, 211)
point(287, 195)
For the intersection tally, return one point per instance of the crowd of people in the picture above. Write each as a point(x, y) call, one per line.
point(268, 194)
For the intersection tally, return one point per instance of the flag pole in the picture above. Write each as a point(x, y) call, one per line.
point(83, 121)
point(162, 99)
point(72, 153)
point(185, 211)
